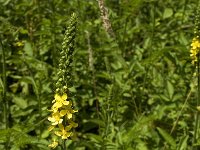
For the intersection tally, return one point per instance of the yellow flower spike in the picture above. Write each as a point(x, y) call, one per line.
point(54, 144)
point(61, 109)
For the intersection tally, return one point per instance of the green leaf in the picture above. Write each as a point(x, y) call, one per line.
point(183, 143)
point(164, 98)
point(168, 12)
point(168, 138)
point(94, 137)
point(30, 80)
point(22, 103)
point(28, 49)
point(98, 122)
point(170, 89)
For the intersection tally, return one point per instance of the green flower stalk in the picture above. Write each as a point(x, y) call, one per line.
point(195, 54)
point(195, 46)
point(62, 111)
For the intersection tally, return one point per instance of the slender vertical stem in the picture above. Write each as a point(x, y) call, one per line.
point(4, 87)
point(40, 109)
point(53, 32)
point(197, 33)
point(196, 131)
point(5, 102)
point(198, 97)
point(91, 67)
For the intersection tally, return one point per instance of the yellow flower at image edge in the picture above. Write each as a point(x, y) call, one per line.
point(195, 43)
point(54, 144)
point(195, 46)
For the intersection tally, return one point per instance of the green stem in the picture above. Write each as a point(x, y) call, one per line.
point(64, 145)
point(196, 131)
point(5, 102)
point(40, 111)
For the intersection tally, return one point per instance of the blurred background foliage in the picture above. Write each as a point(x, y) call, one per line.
point(134, 91)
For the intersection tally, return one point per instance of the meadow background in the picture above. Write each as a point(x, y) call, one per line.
point(133, 86)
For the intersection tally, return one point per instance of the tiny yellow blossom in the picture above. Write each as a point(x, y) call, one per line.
point(64, 112)
point(64, 132)
point(54, 144)
point(59, 101)
point(55, 119)
point(19, 43)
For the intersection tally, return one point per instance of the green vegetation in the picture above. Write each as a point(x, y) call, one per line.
point(128, 73)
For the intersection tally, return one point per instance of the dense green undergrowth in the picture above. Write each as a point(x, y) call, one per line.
point(134, 90)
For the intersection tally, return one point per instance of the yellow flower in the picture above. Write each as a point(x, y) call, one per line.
point(64, 132)
point(19, 43)
point(64, 112)
point(59, 101)
point(195, 43)
point(68, 111)
point(55, 119)
point(195, 46)
point(54, 144)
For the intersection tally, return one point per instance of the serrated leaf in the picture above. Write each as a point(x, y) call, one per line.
point(168, 138)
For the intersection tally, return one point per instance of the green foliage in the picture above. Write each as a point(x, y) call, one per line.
point(131, 90)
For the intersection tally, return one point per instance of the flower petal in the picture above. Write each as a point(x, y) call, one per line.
point(57, 97)
point(58, 133)
point(64, 96)
point(66, 135)
point(65, 102)
point(69, 115)
point(63, 112)
point(54, 144)
point(51, 128)
point(51, 119)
